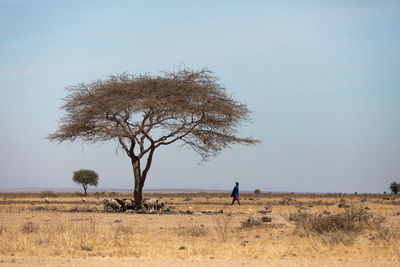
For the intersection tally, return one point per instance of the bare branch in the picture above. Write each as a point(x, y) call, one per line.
point(123, 145)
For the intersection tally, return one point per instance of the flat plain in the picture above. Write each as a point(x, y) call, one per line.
point(202, 229)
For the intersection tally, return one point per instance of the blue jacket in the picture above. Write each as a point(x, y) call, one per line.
point(235, 191)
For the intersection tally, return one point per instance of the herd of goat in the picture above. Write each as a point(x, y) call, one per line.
point(124, 204)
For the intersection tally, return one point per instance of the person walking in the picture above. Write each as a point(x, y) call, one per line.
point(235, 194)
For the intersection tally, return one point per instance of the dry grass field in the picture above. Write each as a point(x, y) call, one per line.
point(365, 231)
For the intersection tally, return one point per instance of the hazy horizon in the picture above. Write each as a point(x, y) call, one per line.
point(321, 78)
point(79, 189)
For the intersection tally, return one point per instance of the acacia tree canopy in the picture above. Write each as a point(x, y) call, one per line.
point(145, 112)
point(85, 178)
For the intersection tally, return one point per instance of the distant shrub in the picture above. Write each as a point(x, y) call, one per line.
point(257, 191)
point(48, 193)
point(395, 187)
point(99, 194)
point(336, 228)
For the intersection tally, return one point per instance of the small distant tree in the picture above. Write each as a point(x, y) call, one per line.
point(86, 178)
point(257, 191)
point(395, 187)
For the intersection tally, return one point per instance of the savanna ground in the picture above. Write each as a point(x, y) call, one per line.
point(66, 232)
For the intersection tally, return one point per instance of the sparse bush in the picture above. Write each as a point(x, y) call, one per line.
point(350, 221)
point(196, 231)
point(48, 193)
point(250, 223)
point(124, 230)
point(384, 234)
point(298, 217)
point(99, 194)
point(337, 228)
point(377, 221)
point(29, 228)
point(193, 231)
point(112, 194)
point(331, 238)
point(222, 227)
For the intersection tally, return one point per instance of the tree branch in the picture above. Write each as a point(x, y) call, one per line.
point(164, 138)
point(124, 146)
point(148, 163)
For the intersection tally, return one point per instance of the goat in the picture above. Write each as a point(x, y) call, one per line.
point(150, 204)
point(160, 205)
point(121, 202)
point(129, 203)
point(111, 205)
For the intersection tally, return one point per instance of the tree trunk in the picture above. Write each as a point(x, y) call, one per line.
point(139, 182)
point(84, 188)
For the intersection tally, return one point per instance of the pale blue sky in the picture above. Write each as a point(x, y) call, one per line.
point(321, 77)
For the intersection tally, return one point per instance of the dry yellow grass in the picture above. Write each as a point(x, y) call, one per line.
point(68, 228)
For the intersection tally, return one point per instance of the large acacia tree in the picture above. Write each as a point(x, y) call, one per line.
point(146, 112)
